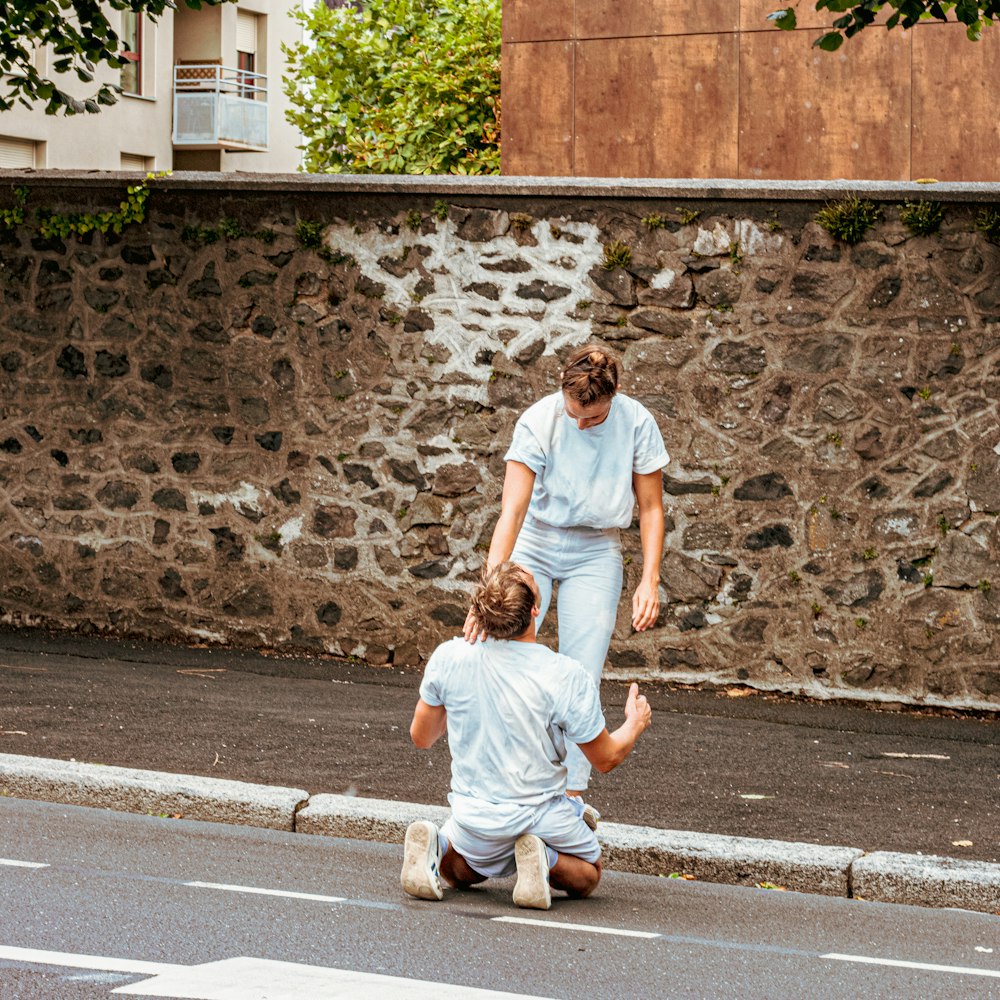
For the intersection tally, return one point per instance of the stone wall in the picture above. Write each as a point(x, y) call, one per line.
point(242, 439)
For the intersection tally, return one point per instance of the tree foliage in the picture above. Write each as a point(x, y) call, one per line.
point(401, 86)
point(855, 17)
point(80, 38)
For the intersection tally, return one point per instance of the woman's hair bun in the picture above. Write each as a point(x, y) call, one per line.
point(591, 374)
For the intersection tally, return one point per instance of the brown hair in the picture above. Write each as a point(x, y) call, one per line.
point(591, 374)
point(503, 601)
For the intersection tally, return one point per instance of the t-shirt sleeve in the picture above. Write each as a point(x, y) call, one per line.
point(432, 686)
point(526, 448)
point(650, 453)
point(578, 708)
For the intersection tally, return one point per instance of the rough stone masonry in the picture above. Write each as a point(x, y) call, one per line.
point(275, 413)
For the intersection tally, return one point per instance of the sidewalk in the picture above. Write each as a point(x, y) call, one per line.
point(730, 763)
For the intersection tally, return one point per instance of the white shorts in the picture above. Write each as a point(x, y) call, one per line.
point(484, 833)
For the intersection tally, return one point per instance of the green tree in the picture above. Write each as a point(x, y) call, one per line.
point(80, 37)
point(855, 17)
point(399, 87)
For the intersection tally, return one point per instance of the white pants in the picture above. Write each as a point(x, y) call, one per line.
point(587, 563)
point(485, 833)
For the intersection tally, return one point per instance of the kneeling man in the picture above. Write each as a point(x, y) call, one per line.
point(510, 706)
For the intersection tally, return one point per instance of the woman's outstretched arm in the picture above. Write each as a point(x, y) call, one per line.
point(646, 600)
point(517, 485)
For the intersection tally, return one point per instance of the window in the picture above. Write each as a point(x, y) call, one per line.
point(246, 51)
point(131, 38)
point(136, 161)
point(16, 154)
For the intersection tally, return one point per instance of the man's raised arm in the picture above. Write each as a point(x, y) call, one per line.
point(610, 749)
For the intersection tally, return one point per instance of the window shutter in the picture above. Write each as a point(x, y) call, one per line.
point(133, 161)
point(246, 32)
point(16, 153)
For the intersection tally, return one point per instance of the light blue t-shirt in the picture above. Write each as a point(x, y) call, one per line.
point(512, 707)
point(583, 478)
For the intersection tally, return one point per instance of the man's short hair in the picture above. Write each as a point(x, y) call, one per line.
point(503, 601)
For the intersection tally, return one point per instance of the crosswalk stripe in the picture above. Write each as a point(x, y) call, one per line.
point(71, 960)
point(262, 979)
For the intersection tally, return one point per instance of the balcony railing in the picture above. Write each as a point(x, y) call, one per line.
point(217, 107)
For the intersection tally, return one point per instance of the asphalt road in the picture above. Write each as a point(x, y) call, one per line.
point(731, 762)
point(117, 887)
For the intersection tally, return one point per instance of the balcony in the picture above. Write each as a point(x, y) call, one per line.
point(217, 107)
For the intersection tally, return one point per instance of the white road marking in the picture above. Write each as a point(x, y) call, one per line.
point(958, 970)
point(918, 756)
point(256, 979)
point(261, 979)
point(575, 927)
point(267, 892)
point(21, 864)
point(73, 961)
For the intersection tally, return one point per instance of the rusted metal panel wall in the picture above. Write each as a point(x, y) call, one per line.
point(670, 89)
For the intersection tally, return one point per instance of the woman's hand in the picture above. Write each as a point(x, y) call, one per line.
point(648, 489)
point(645, 606)
point(472, 630)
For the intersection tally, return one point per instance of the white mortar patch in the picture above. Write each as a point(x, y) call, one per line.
point(465, 322)
point(663, 280)
point(245, 496)
point(291, 530)
point(752, 241)
point(898, 525)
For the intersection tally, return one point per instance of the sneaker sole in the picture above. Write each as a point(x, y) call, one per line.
point(418, 877)
point(532, 891)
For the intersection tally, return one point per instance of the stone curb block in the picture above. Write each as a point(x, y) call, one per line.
point(643, 850)
point(886, 877)
point(127, 790)
point(364, 819)
point(731, 860)
point(881, 876)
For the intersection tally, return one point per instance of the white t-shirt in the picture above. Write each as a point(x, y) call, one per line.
point(583, 478)
point(512, 707)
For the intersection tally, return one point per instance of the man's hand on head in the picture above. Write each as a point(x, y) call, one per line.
point(472, 630)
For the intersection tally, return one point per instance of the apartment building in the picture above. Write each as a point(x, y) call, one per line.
point(202, 91)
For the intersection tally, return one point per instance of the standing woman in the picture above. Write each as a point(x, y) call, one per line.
point(579, 461)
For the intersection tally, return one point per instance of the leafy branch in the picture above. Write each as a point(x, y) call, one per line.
point(855, 17)
point(79, 35)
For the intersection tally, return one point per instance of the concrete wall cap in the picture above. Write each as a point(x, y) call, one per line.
point(495, 186)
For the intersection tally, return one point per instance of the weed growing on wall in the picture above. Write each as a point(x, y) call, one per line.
point(616, 254)
point(11, 218)
point(309, 234)
point(848, 219)
point(988, 223)
point(50, 224)
point(922, 218)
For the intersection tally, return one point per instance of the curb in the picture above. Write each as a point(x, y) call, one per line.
point(152, 792)
point(880, 876)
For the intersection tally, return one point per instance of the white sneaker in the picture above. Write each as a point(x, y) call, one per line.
point(531, 890)
point(586, 811)
point(421, 875)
